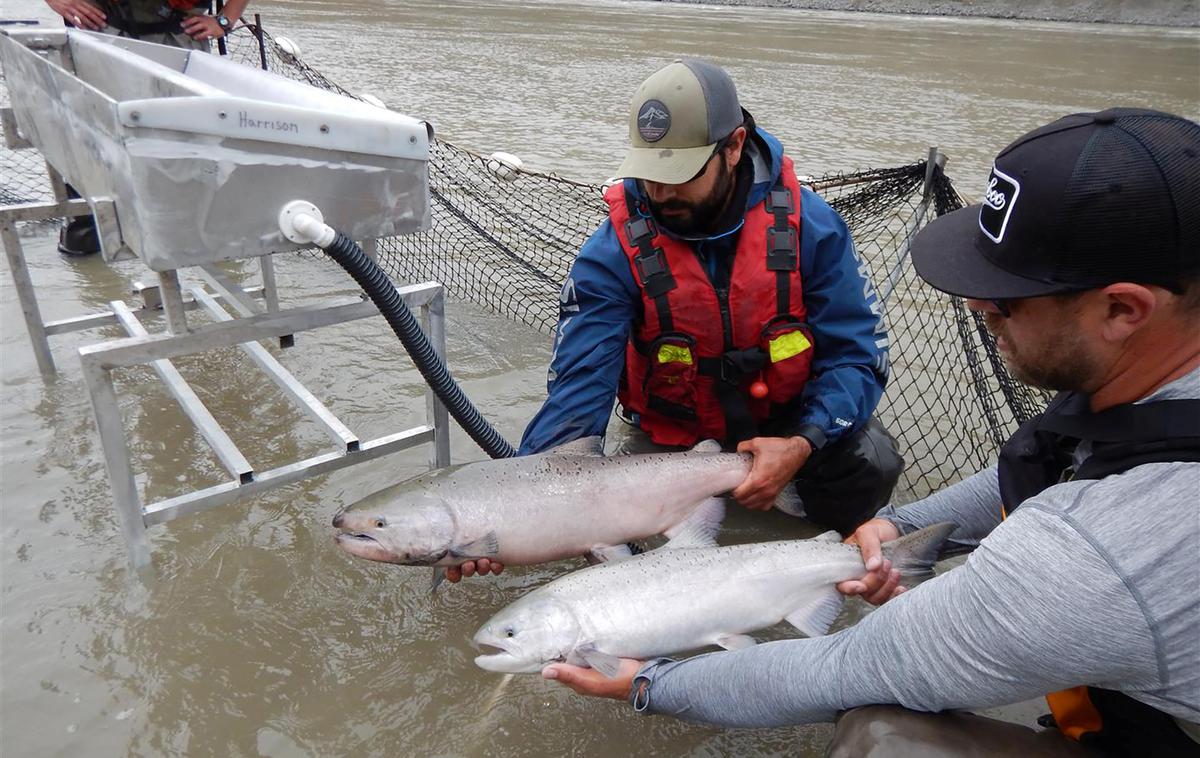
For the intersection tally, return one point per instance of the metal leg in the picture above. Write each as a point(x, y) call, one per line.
point(28, 298)
point(172, 298)
point(271, 294)
point(116, 460)
point(434, 317)
point(57, 185)
point(266, 265)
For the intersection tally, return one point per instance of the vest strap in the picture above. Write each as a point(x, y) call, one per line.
point(1122, 437)
point(782, 246)
point(651, 263)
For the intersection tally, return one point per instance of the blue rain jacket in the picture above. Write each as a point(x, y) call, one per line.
point(600, 301)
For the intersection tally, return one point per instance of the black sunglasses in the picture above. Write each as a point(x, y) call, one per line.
point(721, 143)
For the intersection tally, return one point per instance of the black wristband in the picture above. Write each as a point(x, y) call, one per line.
point(813, 433)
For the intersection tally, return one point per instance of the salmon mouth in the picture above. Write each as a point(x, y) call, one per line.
point(497, 654)
point(501, 660)
point(363, 545)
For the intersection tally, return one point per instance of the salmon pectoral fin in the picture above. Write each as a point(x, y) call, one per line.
point(603, 662)
point(700, 528)
point(815, 615)
point(608, 553)
point(736, 641)
point(439, 576)
point(486, 546)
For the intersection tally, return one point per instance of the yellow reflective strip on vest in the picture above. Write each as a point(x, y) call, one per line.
point(674, 354)
point(786, 345)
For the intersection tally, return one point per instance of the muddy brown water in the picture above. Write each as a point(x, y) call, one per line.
point(258, 637)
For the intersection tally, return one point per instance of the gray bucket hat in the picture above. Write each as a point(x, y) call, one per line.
point(676, 118)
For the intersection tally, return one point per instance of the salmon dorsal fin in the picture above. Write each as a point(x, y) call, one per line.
point(700, 528)
point(593, 445)
point(707, 446)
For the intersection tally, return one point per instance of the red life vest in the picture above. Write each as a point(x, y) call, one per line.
point(696, 351)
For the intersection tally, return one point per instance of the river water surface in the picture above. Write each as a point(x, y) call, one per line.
point(258, 637)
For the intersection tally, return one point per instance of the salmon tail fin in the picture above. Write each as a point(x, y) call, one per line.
point(913, 555)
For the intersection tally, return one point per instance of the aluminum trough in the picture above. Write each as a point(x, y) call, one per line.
point(199, 154)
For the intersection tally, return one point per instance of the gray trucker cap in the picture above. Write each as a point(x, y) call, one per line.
point(676, 118)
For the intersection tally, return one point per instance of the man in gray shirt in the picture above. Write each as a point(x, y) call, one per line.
point(1084, 259)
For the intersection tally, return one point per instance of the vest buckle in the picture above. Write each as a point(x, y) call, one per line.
point(781, 249)
point(639, 228)
point(780, 200)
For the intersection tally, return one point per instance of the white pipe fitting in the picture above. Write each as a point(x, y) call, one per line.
point(301, 222)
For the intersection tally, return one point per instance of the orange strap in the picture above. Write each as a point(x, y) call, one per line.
point(1074, 713)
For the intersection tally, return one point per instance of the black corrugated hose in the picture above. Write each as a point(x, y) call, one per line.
point(382, 292)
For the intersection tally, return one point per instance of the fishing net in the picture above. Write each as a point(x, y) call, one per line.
point(506, 238)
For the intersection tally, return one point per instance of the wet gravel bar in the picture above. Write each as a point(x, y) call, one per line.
point(1178, 13)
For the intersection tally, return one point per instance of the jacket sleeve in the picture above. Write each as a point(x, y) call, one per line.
point(850, 366)
point(596, 309)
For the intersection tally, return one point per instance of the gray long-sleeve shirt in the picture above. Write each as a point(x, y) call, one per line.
point(1089, 582)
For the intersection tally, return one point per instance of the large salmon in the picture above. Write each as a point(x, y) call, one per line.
point(686, 595)
point(567, 502)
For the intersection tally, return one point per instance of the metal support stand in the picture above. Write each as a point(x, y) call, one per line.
point(172, 301)
point(134, 91)
point(99, 361)
point(25, 294)
point(259, 317)
point(17, 266)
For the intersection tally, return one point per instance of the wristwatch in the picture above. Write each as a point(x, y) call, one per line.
point(224, 22)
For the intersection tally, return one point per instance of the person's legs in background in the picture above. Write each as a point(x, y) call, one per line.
point(78, 235)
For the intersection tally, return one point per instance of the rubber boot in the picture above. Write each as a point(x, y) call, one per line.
point(78, 237)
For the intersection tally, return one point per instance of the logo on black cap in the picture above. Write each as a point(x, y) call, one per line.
point(653, 120)
point(998, 202)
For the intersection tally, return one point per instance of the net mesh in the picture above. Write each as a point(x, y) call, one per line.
point(506, 239)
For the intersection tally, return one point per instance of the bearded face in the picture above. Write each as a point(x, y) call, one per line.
point(692, 209)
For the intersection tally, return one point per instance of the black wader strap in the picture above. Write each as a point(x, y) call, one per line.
point(783, 248)
point(651, 263)
point(729, 371)
point(1040, 453)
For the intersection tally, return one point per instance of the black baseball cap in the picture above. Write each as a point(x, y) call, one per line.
point(1087, 201)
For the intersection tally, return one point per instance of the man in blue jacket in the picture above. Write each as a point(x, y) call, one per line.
point(720, 300)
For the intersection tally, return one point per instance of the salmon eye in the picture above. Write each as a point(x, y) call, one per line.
point(380, 523)
point(509, 632)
